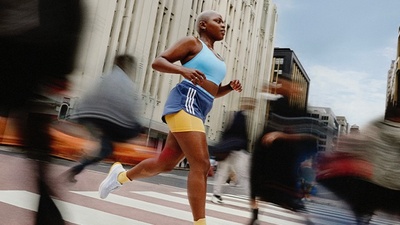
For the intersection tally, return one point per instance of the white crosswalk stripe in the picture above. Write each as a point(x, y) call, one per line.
point(232, 211)
point(243, 203)
point(154, 208)
point(71, 212)
point(235, 210)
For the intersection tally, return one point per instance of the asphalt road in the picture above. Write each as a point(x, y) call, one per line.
point(157, 200)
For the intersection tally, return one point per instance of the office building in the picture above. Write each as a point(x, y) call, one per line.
point(392, 111)
point(146, 28)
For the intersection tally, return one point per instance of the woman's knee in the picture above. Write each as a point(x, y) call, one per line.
point(165, 165)
point(168, 167)
point(168, 159)
point(201, 165)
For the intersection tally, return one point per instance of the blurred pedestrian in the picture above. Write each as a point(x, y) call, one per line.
point(38, 41)
point(234, 144)
point(185, 111)
point(274, 169)
point(307, 178)
point(364, 169)
point(279, 95)
point(278, 153)
point(109, 111)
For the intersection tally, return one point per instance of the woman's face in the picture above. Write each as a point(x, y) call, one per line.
point(215, 27)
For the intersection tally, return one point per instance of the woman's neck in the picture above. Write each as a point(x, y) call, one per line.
point(208, 42)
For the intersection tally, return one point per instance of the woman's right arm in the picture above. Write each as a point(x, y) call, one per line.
point(180, 51)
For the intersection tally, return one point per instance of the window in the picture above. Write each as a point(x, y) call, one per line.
point(279, 61)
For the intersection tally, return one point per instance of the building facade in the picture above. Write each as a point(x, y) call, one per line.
point(289, 83)
point(145, 28)
point(354, 129)
point(288, 66)
point(289, 112)
point(392, 111)
point(343, 127)
point(328, 127)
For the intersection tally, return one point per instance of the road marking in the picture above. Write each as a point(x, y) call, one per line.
point(270, 219)
point(70, 212)
point(154, 208)
point(271, 214)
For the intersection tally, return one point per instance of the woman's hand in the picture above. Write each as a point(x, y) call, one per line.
point(236, 85)
point(195, 76)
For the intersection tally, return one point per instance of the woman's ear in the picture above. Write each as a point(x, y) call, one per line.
point(202, 25)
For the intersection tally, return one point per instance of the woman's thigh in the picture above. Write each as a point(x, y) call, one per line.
point(194, 146)
point(171, 154)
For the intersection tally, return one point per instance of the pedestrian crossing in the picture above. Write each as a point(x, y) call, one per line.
point(152, 207)
point(71, 212)
point(156, 208)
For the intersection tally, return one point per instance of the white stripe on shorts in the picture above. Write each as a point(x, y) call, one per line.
point(189, 100)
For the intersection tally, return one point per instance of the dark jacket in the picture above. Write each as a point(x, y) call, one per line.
point(274, 169)
point(234, 138)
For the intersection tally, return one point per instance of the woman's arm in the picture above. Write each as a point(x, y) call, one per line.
point(182, 51)
point(234, 85)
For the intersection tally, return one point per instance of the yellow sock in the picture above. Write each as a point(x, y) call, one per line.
point(200, 222)
point(122, 178)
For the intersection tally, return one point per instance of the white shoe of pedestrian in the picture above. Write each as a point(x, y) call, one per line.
point(217, 199)
point(111, 183)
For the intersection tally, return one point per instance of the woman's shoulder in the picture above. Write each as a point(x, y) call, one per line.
point(190, 45)
point(190, 41)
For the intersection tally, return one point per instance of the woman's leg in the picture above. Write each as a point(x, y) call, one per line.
point(194, 146)
point(166, 161)
point(168, 158)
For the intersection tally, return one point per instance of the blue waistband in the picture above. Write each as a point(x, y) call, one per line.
point(199, 87)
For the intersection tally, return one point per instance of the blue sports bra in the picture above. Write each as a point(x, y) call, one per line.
point(207, 62)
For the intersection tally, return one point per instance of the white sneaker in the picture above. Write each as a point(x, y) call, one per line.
point(217, 199)
point(111, 182)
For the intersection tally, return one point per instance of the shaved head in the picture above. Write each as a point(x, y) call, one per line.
point(204, 16)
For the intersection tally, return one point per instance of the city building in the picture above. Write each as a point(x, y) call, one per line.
point(392, 111)
point(287, 66)
point(354, 129)
point(343, 128)
point(292, 114)
point(301, 118)
point(328, 126)
point(146, 28)
point(289, 84)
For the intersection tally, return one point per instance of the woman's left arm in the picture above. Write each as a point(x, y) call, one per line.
point(234, 85)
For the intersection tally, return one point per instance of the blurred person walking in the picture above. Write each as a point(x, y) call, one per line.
point(185, 111)
point(109, 112)
point(364, 169)
point(38, 40)
point(307, 178)
point(233, 149)
point(278, 153)
point(274, 169)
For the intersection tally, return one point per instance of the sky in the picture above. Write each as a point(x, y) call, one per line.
point(346, 48)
